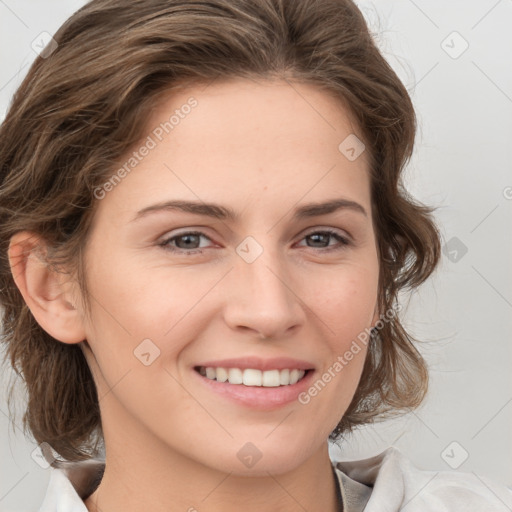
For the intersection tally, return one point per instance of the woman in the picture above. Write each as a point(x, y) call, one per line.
point(203, 236)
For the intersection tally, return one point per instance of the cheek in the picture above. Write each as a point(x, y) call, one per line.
point(139, 310)
point(346, 312)
point(130, 299)
point(346, 302)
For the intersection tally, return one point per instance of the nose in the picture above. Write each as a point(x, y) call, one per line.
point(264, 297)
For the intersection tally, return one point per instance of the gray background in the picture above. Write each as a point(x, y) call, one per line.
point(462, 165)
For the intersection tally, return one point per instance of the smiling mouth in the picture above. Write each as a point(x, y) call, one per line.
point(253, 377)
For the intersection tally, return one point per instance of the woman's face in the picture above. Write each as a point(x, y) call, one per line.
point(176, 288)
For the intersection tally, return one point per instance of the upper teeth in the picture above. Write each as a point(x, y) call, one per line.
point(253, 377)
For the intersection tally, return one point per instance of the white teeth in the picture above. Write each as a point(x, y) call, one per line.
point(234, 375)
point(253, 377)
point(294, 376)
point(221, 375)
point(271, 378)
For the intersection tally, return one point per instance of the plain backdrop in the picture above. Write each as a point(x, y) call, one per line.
point(454, 58)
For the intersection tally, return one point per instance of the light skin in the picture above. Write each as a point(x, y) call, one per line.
point(262, 149)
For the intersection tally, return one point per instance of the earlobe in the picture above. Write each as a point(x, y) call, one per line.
point(47, 292)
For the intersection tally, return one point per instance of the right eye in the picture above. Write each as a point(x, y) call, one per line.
point(187, 240)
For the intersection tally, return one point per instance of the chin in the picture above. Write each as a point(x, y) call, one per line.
point(252, 459)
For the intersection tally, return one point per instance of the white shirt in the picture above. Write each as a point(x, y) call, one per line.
point(388, 482)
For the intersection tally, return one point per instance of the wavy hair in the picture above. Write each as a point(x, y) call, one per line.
point(84, 104)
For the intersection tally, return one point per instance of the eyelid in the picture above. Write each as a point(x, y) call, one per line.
point(171, 236)
point(329, 229)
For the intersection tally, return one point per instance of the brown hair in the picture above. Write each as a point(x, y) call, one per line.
point(84, 106)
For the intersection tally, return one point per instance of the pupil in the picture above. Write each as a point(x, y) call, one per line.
point(315, 237)
point(188, 239)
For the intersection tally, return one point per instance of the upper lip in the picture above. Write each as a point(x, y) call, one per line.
point(276, 363)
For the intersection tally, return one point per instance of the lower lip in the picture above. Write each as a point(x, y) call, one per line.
point(258, 397)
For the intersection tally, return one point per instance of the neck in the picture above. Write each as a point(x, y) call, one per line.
point(141, 474)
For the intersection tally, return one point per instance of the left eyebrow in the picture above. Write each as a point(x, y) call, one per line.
point(316, 209)
point(220, 212)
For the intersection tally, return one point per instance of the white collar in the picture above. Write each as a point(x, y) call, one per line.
point(388, 481)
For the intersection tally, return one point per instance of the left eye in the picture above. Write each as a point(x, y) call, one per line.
point(188, 242)
point(322, 236)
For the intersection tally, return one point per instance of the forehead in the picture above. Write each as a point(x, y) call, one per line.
point(256, 107)
point(239, 139)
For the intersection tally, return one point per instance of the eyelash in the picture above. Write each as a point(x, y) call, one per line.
point(344, 242)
